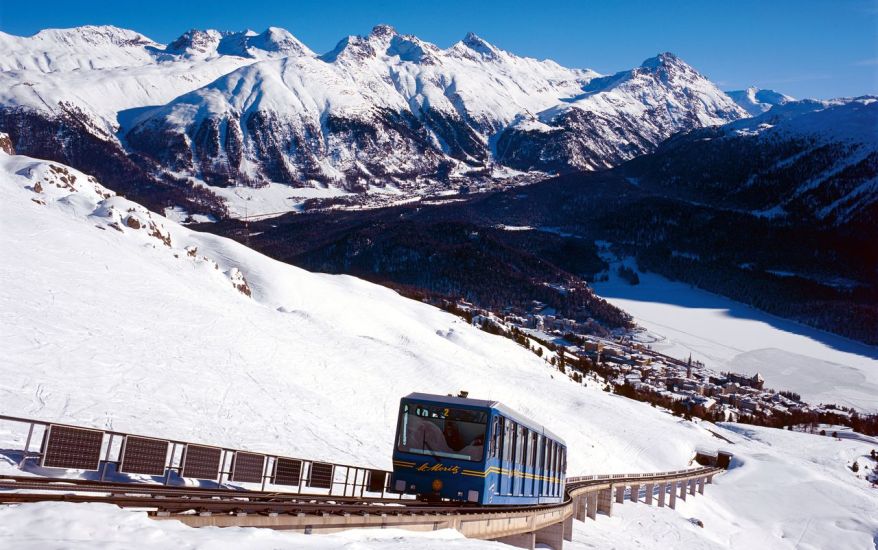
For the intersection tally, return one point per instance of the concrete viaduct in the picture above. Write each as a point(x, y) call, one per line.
point(587, 496)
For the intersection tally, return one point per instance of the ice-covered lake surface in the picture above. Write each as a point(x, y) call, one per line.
point(729, 335)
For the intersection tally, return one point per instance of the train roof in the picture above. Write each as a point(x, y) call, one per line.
point(506, 411)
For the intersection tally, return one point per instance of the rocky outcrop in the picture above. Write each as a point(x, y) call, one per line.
point(6, 144)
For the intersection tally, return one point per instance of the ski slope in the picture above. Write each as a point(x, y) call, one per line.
point(116, 317)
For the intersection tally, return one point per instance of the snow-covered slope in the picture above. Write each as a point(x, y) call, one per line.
point(756, 101)
point(111, 315)
point(813, 161)
point(80, 48)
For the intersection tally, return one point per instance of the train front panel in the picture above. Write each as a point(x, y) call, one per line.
point(440, 451)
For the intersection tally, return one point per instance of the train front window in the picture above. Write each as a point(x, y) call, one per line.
point(437, 430)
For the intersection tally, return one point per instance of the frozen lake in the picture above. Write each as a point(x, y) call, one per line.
point(728, 335)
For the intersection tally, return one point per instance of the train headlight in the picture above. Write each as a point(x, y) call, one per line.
point(437, 485)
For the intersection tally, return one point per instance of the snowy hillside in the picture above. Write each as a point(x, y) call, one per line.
point(112, 315)
point(802, 161)
point(263, 110)
point(756, 101)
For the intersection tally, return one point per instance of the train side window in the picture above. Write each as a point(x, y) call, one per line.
point(507, 439)
point(496, 433)
point(546, 444)
point(519, 444)
point(533, 448)
point(528, 445)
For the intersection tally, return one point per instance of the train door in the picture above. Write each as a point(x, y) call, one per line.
point(544, 469)
point(551, 474)
point(538, 466)
point(529, 463)
point(525, 464)
point(506, 458)
point(495, 453)
point(516, 466)
point(558, 469)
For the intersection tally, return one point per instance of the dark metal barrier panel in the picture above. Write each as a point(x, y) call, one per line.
point(321, 475)
point(377, 481)
point(68, 447)
point(287, 472)
point(201, 461)
point(248, 467)
point(144, 455)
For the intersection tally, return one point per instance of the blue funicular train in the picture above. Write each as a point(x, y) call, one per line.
point(475, 451)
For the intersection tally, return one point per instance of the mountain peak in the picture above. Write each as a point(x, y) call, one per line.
point(663, 59)
point(382, 31)
point(95, 35)
point(278, 40)
point(195, 42)
point(482, 47)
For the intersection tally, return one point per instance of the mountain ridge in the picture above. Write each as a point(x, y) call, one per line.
point(382, 116)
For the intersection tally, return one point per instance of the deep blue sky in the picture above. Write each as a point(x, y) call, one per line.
point(804, 48)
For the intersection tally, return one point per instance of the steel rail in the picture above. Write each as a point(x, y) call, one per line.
point(180, 499)
point(85, 485)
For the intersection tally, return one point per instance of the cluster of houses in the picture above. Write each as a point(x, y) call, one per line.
point(702, 390)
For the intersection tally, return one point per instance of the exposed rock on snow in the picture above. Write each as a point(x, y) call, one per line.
point(6, 144)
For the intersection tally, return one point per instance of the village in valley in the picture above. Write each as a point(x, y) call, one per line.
point(623, 365)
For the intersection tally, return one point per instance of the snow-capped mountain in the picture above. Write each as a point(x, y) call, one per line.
point(756, 101)
point(386, 111)
point(273, 42)
point(81, 48)
point(803, 161)
point(616, 118)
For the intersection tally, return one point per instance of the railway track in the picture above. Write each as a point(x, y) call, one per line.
point(328, 497)
point(177, 499)
point(522, 526)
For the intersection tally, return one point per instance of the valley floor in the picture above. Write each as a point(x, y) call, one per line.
point(730, 336)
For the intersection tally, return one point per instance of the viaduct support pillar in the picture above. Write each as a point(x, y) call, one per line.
point(592, 501)
point(580, 506)
point(635, 493)
point(701, 485)
point(525, 540)
point(663, 490)
point(683, 490)
point(552, 536)
point(649, 490)
point(620, 494)
point(605, 501)
point(672, 500)
point(692, 483)
point(568, 528)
